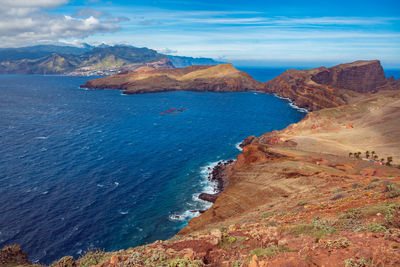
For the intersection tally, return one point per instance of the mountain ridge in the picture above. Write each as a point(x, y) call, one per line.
point(87, 60)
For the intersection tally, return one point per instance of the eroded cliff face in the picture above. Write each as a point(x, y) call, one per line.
point(220, 78)
point(319, 88)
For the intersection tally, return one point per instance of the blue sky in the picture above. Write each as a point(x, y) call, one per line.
point(275, 33)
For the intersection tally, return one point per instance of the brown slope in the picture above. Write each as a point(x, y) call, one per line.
point(222, 77)
point(322, 87)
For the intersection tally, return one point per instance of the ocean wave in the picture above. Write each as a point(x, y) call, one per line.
point(299, 109)
point(124, 212)
point(291, 104)
point(237, 145)
point(41, 137)
point(184, 216)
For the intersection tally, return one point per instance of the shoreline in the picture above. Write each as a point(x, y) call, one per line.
point(291, 104)
point(219, 176)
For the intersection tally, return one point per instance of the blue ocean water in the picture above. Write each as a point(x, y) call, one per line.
point(97, 169)
point(262, 74)
point(393, 72)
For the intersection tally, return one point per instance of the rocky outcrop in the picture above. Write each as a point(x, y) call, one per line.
point(13, 256)
point(322, 87)
point(220, 78)
point(219, 176)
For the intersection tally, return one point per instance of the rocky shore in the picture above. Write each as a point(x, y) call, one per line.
point(219, 176)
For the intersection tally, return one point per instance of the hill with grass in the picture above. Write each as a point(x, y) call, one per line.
point(219, 78)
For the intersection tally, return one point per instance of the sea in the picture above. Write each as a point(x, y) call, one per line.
point(83, 169)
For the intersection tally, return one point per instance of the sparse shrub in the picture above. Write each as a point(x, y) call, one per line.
point(355, 186)
point(271, 223)
point(373, 227)
point(357, 262)
point(136, 258)
point(350, 220)
point(393, 190)
point(267, 215)
point(375, 180)
point(319, 227)
point(371, 185)
point(260, 252)
point(302, 203)
point(184, 263)
point(269, 251)
point(338, 196)
point(342, 242)
point(337, 191)
point(301, 229)
point(92, 257)
point(227, 240)
point(392, 218)
point(67, 261)
point(236, 263)
point(158, 258)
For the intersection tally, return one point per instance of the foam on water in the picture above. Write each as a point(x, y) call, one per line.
point(291, 104)
point(41, 137)
point(184, 216)
point(237, 145)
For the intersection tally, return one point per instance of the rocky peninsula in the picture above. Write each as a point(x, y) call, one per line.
point(315, 89)
point(220, 78)
point(322, 192)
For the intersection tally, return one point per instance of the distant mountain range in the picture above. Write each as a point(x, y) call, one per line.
point(88, 60)
point(181, 62)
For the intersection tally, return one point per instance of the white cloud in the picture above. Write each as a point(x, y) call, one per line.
point(25, 22)
point(87, 12)
point(33, 3)
point(167, 51)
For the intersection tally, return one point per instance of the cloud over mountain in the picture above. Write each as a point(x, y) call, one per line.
point(27, 22)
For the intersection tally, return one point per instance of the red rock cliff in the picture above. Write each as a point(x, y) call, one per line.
point(323, 87)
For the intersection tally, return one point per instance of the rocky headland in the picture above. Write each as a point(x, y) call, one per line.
point(315, 89)
point(219, 175)
point(314, 194)
point(219, 78)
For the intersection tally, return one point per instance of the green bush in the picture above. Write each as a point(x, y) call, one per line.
point(373, 227)
point(267, 215)
point(393, 190)
point(92, 257)
point(319, 228)
point(302, 203)
point(342, 242)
